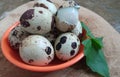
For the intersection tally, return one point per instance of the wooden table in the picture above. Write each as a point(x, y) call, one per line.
point(98, 26)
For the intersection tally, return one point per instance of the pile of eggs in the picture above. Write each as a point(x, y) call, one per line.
point(45, 32)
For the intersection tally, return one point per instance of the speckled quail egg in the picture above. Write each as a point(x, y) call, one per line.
point(36, 50)
point(16, 36)
point(37, 20)
point(47, 4)
point(67, 46)
point(67, 18)
point(78, 29)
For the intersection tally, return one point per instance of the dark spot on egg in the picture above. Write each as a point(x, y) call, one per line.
point(48, 50)
point(39, 28)
point(25, 24)
point(41, 12)
point(49, 58)
point(15, 32)
point(60, 7)
point(76, 4)
point(74, 45)
point(36, 5)
point(72, 52)
point(31, 60)
point(52, 42)
point(49, 1)
point(58, 46)
point(44, 6)
point(56, 13)
point(71, 27)
point(80, 36)
point(46, 63)
point(17, 45)
point(29, 14)
point(40, 5)
point(63, 39)
point(22, 34)
point(52, 22)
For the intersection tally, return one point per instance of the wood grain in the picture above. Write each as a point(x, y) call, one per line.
point(98, 26)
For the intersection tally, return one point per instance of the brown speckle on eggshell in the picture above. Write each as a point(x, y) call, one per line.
point(40, 5)
point(49, 58)
point(39, 28)
point(41, 12)
point(31, 60)
point(72, 52)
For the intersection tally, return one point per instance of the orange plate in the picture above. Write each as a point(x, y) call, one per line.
point(13, 57)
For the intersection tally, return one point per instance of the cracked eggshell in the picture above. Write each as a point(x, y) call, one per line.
point(47, 4)
point(37, 20)
point(67, 46)
point(67, 18)
point(16, 36)
point(36, 50)
point(78, 29)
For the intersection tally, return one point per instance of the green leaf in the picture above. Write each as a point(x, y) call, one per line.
point(95, 60)
point(89, 33)
point(87, 30)
point(97, 42)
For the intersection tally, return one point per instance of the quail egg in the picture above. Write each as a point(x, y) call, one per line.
point(37, 20)
point(66, 46)
point(67, 18)
point(16, 36)
point(36, 50)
